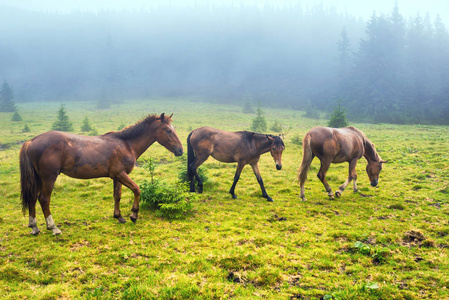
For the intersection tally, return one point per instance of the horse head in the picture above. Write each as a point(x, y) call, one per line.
point(373, 170)
point(276, 148)
point(167, 137)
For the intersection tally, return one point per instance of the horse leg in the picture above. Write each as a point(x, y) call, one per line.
point(351, 176)
point(236, 179)
point(200, 159)
point(44, 199)
point(322, 176)
point(32, 216)
point(260, 181)
point(124, 179)
point(117, 197)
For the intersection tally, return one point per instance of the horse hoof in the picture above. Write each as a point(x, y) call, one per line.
point(270, 200)
point(56, 231)
point(35, 232)
point(133, 219)
point(121, 220)
point(338, 194)
point(234, 196)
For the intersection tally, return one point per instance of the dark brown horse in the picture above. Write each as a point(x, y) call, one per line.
point(333, 145)
point(242, 147)
point(112, 155)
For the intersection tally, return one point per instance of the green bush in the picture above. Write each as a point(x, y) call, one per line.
point(26, 128)
point(276, 127)
point(172, 201)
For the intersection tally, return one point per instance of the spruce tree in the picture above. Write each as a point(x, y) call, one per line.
point(86, 125)
point(259, 123)
point(16, 117)
point(6, 96)
point(62, 123)
point(338, 117)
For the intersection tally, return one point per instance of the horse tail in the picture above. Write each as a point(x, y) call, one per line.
point(190, 157)
point(30, 181)
point(307, 158)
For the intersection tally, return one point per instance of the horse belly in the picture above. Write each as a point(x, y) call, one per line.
point(86, 171)
point(83, 164)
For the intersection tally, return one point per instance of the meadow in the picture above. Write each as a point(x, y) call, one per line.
point(387, 242)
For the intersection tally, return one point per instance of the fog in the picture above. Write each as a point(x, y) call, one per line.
point(384, 62)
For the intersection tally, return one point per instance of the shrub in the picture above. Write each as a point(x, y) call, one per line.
point(26, 128)
point(171, 201)
point(296, 140)
point(277, 127)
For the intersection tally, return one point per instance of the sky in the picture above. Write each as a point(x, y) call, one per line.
point(358, 8)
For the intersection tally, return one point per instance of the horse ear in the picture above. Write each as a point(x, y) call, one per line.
point(269, 137)
point(171, 115)
point(162, 116)
point(384, 161)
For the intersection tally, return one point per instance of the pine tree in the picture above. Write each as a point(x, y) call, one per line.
point(16, 117)
point(62, 123)
point(338, 117)
point(86, 125)
point(6, 96)
point(259, 123)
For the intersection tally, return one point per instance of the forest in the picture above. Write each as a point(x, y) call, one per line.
point(388, 69)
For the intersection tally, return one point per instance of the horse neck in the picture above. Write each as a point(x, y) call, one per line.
point(141, 143)
point(370, 152)
point(262, 143)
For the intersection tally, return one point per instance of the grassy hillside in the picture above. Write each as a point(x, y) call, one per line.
point(388, 242)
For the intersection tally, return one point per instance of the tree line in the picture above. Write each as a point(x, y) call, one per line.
point(387, 69)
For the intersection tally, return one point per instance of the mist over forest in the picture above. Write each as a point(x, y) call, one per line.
point(385, 69)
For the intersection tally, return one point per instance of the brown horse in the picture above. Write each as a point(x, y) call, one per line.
point(112, 155)
point(332, 145)
point(242, 147)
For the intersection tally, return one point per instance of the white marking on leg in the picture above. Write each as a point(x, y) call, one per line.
point(33, 225)
point(52, 226)
point(355, 186)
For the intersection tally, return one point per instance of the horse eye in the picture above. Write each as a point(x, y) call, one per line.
point(168, 131)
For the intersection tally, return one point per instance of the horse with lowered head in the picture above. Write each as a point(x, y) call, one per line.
point(113, 155)
point(338, 145)
point(243, 147)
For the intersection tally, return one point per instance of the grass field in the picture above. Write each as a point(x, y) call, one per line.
point(388, 242)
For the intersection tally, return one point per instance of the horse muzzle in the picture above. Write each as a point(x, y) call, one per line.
point(278, 167)
point(178, 152)
point(374, 183)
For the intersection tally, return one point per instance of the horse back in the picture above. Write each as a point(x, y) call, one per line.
point(336, 144)
point(224, 146)
point(79, 156)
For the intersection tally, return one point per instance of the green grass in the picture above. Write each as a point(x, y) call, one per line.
point(388, 242)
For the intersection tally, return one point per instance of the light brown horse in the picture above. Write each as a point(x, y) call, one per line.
point(243, 147)
point(332, 145)
point(112, 155)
